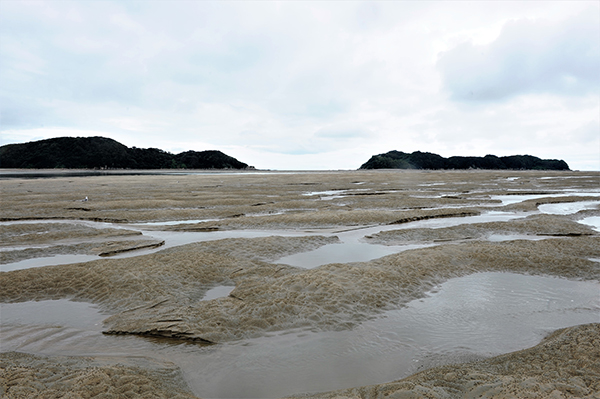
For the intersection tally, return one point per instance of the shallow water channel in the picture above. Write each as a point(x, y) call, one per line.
point(464, 319)
point(351, 247)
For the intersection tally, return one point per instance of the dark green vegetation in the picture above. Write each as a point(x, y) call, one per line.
point(105, 153)
point(427, 160)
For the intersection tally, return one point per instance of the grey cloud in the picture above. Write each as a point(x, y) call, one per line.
point(528, 57)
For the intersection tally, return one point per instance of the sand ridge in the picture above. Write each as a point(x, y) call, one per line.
point(37, 376)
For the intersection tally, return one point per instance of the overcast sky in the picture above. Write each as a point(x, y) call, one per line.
point(307, 84)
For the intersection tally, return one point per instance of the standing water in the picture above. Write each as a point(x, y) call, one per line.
point(467, 318)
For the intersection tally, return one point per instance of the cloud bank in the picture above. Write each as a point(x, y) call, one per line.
point(317, 85)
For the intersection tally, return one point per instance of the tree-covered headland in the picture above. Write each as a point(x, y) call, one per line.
point(105, 153)
point(427, 160)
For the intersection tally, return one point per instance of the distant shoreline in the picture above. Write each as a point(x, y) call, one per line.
point(50, 173)
point(12, 173)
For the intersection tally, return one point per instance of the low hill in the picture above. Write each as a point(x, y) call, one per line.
point(105, 153)
point(427, 160)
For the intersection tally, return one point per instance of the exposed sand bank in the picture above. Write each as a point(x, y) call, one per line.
point(35, 376)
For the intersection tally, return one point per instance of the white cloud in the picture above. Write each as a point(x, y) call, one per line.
point(296, 85)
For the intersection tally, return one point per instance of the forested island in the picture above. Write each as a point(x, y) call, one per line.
point(105, 153)
point(427, 160)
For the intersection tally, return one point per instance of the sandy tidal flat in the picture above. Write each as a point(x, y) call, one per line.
point(155, 245)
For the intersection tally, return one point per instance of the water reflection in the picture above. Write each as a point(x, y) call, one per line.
point(344, 252)
point(567, 208)
point(516, 198)
point(218, 292)
point(593, 221)
point(47, 261)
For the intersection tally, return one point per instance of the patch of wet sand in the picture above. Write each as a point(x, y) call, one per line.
point(18, 234)
point(37, 376)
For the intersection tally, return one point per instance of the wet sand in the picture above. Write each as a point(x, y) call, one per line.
point(159, 292)
point(37, 376)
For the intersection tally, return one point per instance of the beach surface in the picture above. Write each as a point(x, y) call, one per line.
point(190, 268)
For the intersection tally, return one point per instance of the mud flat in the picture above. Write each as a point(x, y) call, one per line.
point(439, 226)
